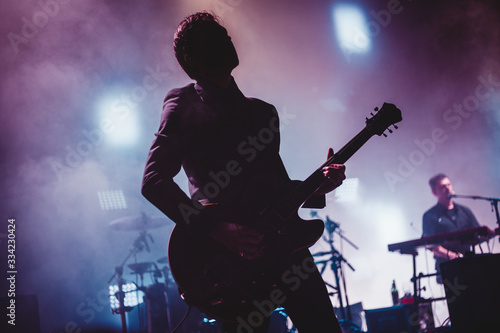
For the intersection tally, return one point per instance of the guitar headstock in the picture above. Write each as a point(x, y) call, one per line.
point(388, 115)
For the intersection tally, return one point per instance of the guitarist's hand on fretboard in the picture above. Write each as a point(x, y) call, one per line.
point(238, 239)
point(334, 174)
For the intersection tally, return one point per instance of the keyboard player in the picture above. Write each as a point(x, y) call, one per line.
point(445, 217)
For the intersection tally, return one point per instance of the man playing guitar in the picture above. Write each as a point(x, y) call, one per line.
point(228, 146)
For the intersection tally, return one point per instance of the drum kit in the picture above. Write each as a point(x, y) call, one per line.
point(163, 305)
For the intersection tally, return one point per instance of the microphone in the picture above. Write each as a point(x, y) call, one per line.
point(452, 195)
point(331, 225)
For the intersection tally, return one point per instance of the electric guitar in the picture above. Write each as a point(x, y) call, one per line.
point(226, 286)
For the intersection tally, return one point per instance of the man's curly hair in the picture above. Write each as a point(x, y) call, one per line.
point(188, 37)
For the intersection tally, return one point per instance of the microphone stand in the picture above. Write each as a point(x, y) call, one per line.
point(336, 261)
point(493, 201)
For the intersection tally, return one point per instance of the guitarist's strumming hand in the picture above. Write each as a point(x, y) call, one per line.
point(335, 175)
point(242, 240)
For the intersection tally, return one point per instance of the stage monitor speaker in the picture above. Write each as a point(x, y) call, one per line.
point(24, 312)
point(396, 319)
point(472, 287)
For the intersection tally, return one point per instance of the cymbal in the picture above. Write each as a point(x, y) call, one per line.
point(140, 222)
point(141, 267)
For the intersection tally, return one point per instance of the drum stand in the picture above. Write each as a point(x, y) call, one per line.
point(140, 223)
point(120, 295)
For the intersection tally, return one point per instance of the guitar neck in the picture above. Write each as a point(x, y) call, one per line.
point(291, 203)
point(388, 115)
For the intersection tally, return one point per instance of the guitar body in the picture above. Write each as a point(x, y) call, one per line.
point(227, 286)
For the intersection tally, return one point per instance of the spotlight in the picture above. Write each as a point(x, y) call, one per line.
point(348, 191)
point(133, 296)
point(350, 28)
point(118, 119)
point(110, 200)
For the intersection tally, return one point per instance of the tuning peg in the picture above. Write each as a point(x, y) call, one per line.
point(390, 131)
point(376, 109)
point(385, 135)
point(395, 126)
